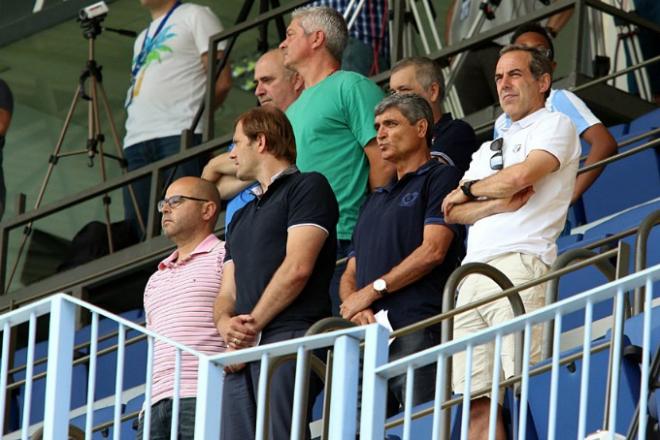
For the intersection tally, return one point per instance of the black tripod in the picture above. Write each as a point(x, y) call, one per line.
point(95, 138)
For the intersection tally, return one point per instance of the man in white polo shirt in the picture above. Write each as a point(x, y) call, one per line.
point(179, 298)
point(515, 195)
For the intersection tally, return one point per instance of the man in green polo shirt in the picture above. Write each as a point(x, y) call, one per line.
point(333, 119)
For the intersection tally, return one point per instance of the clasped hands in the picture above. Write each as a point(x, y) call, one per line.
point(240, 331)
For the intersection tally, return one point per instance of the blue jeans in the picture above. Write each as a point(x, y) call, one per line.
point(161, 420)
point(144, 153)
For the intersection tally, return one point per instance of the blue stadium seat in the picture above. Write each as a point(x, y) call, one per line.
point(569, 395)
point(646, 122)
point(628, 182)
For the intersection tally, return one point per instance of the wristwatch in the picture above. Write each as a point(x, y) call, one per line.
point(467, 189)
point(380, 286)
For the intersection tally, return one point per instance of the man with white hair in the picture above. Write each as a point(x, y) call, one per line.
point(333, 119)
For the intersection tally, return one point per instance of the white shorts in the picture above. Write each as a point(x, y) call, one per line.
point(520, 268)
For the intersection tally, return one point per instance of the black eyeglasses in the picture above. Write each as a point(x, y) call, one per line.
point(176, 200)
point(497, 159)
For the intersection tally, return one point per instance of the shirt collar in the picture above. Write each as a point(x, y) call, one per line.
point(524, 122)
point(206, 246)
point(291, 169)
point(420, 171)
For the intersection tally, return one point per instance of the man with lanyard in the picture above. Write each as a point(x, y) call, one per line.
point(6, 110)
point(168, 79)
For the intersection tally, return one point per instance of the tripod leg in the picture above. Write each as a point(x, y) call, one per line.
point(120, 154)
point(96, 132)
point(42, 191)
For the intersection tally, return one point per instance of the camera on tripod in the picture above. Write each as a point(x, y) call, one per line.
point(90, 18)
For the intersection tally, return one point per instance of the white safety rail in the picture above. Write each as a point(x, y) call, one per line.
point(62, 311)
point(378, 371)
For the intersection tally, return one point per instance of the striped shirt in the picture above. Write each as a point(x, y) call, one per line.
point(178, 302)
point(371, 24)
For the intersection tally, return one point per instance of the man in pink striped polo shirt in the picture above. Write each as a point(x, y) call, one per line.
point(179, 299)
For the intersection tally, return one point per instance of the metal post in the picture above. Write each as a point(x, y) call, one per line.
point(60, 368)
point(210, 382)
point(343, 406)
point(374, 387)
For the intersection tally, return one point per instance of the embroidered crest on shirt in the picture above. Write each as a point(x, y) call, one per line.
point(408, 199)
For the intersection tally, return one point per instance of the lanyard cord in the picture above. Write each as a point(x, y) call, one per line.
point(142, 56)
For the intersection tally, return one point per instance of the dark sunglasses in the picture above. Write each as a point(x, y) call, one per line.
point(497, 159)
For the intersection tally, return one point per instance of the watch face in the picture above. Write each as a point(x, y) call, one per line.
point(380, 285)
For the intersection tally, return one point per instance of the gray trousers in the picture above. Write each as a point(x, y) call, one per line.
point(239, 397)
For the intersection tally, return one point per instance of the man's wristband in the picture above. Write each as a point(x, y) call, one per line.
point(467, 189)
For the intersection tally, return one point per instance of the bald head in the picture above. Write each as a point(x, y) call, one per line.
point(198, 211)
point(276, 85)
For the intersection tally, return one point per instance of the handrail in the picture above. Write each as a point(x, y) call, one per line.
point(552, 290)
point(449, 303)
point(641, 244)
point(513, 380)
point(619, 156)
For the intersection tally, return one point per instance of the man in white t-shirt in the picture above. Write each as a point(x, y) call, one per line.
point(168, 80)
point(515, 195)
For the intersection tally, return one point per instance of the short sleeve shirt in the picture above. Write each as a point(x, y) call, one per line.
point(534, 228)
point(333, 121)
point(257, 246)
point(170, 85)
point(178, 301)
point(454, 141)
point(563, 101)
point(391, 227)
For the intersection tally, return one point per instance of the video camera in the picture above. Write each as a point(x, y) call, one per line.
point(90, 18)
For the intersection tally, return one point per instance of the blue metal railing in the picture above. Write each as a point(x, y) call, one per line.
point(375, 396)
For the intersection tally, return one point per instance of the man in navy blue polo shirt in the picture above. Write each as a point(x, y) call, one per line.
point(279, 260)
point(403, 251)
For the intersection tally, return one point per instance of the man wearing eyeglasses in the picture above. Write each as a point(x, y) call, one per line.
point(515, 195)
point(179, 299)
point(280, 258)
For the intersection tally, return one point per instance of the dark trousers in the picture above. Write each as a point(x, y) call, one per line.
point(424, 386)
point(239, 397)
point(343, 247)
point(145, 153)
point(161, 420)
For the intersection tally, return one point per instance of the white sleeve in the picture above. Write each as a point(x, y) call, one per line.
point(204, 24)
point(555, 134)
point(480, 163)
